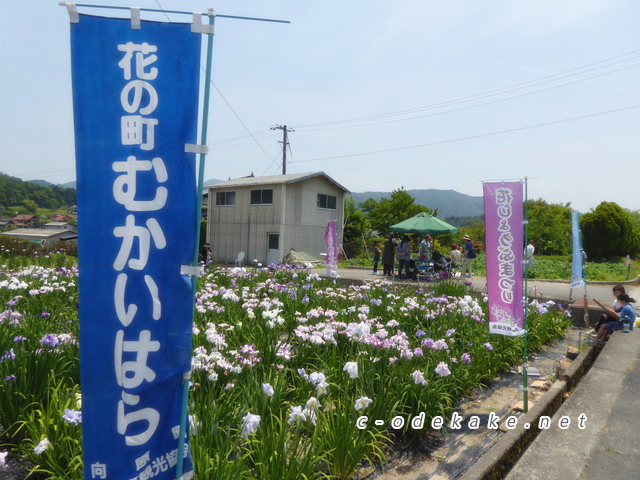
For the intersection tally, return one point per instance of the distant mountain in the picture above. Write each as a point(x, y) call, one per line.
point(42, 183)
point(448, 202)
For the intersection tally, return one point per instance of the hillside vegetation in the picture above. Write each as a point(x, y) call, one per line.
point(14, 191)
point(448, 203)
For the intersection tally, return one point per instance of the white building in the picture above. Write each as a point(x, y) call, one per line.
point(266, 217)
point(43, 236)
point(58, 226)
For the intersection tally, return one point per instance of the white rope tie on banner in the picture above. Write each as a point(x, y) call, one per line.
point(198, 27)
point(199, 149)
point(135, 18)
point(72, 10)
point(191, 270)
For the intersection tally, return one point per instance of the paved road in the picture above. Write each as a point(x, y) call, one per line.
point(560, 291)
point(608, 447)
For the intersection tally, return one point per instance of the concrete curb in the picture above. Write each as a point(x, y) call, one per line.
point(579, 367)
point(496, 463)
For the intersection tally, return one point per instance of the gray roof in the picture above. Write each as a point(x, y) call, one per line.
point(274, 179)
point(57, 224)
point(35, 232)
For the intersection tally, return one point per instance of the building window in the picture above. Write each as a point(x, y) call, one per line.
point(225, 198)
point(262, 197)
point(327, 202)
point(274, 241)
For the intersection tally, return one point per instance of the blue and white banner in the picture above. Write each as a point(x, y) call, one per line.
point(135, 95)
point(577, 265)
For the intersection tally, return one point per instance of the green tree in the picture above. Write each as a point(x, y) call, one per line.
point(476, 232)
point(30, 206)
point(609, 231)
point(550, 227)
point(356, 228)
point(389, 211)
point(634, 216)
point(45, 198)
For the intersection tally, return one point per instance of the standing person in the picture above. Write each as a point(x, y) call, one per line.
point(388, 255)
point(404, 257)
point(205, 254)
point(627, 312)
point(376, 257)
point(425, 248)
point(455, 255)
point(528, 253)
point(469, 255)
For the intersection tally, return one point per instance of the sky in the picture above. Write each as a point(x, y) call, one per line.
point(380, 94)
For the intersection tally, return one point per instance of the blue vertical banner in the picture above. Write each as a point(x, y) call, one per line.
point(135, 96)
point(577, 264)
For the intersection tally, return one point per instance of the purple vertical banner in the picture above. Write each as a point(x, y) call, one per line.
point(504, 215)
point(331, 242)
point(135, 96)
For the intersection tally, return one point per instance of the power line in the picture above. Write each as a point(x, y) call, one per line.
point(236, 144)
point(479, 96)
point(225, 100)
point(239, 137)
point(470, 106)
point(275, 166)
point(507, 89)
point(472, 137)
point(241, 122)
point(41, 173)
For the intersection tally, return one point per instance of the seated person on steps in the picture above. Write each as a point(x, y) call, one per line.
point(627, 312)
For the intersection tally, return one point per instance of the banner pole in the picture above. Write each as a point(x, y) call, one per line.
point(186, 379)
point(584, 279)
point(525, 401)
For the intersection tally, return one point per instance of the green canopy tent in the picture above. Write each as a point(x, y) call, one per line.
point(423, 223)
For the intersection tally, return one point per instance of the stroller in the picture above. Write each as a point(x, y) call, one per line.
point(412, 271)
point(422, 268)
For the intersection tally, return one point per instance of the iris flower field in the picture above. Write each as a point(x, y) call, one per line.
point(285, 368)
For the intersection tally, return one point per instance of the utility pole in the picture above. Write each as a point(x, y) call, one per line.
point(285, 144)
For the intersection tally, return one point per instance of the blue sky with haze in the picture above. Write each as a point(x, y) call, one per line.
point(381, 94)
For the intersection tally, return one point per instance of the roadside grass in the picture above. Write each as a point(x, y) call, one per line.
point(552, 267)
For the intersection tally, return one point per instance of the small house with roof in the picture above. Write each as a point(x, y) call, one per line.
point(267, 217)
point(23, 220)
point(58, 225)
